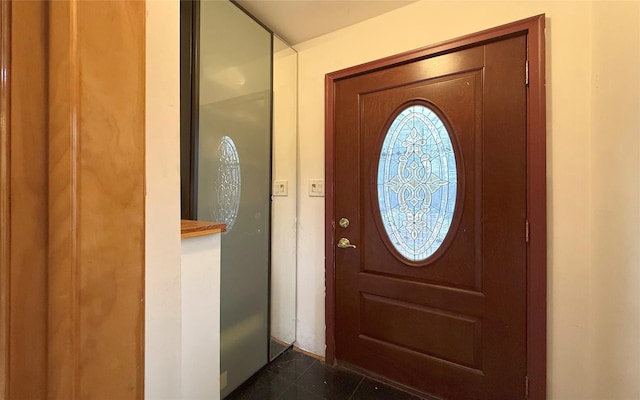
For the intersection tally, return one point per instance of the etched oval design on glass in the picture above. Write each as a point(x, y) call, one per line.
point(417, 183)
point(229, 183)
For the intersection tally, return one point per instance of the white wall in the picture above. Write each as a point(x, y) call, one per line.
point(283, 208)
point(200, 317)
point(162, 263)
point(615, 200)
point(593, 311)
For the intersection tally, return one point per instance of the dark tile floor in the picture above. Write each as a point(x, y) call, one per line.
point(296, 376)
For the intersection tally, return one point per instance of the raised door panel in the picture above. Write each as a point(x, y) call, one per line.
point(96, 199)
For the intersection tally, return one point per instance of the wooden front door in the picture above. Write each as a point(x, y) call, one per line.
point(430, 222)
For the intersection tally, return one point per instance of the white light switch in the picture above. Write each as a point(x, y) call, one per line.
point(316, 187)
point(281, 188)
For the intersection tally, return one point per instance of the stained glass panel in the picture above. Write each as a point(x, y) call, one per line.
point(228, 185)
point(417, 183)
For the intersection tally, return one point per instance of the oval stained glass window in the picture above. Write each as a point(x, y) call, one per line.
point(228, 185)
point(417, 183)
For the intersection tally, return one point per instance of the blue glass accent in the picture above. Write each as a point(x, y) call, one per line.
point(417, 183)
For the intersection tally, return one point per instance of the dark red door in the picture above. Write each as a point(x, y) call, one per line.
point(430, 172)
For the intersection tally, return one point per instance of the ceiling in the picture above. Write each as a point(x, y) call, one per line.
point(297, 21)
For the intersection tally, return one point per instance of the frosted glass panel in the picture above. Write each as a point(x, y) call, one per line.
point(417, 183)
point(234, 167)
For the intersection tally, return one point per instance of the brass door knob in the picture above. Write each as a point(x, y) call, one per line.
point(344, 243)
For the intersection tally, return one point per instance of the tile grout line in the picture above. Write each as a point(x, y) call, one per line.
point(305, 371)
point(357, 386)
point(295, 379)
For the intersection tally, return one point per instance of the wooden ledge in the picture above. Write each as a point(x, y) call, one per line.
point(189, 228)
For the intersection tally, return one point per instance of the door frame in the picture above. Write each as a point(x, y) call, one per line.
point(23, 207)
point(533, 27)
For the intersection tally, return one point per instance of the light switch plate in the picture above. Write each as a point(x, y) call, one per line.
point(316, 187)
point(280, 188)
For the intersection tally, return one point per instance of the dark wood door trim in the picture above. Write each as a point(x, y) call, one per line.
point(536, 182)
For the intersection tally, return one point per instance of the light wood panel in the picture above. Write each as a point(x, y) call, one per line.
point(24, 194)
point(96, 200)
point(63, 225)
point(71, 200)
point(5, 228)
point(190, 228)
point(29, 142)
